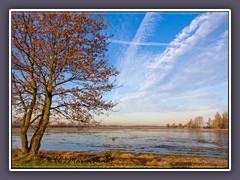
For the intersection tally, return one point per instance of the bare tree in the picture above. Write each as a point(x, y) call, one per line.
point(198, 122)
point(180, 125)
point(217, 122)
point(220, 121)
point(59, 70)
point(190, 124)
point(225, 120)
point(209, 123)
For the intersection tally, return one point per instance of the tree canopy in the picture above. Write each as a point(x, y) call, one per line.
point(59, 69)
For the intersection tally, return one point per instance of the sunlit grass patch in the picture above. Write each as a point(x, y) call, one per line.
point(112, 159)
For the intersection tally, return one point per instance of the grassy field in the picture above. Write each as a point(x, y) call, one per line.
point(112, 159)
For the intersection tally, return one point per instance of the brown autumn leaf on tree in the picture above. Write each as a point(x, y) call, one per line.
point(59, 68)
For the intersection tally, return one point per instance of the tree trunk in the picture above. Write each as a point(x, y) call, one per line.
point(26, 123)
point(24, 139)
point(37, 136)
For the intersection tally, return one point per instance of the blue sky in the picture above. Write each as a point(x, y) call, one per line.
point(173, 66)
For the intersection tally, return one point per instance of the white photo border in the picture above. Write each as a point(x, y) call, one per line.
point(122, 11)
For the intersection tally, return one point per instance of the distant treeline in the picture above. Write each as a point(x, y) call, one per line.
point(220, 121)
point(17, 123)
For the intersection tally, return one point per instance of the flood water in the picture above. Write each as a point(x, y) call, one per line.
point(158, 141)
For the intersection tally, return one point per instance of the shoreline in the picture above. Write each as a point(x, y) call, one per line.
point(113, 159)
point(127, 127)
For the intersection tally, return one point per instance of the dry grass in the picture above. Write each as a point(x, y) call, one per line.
point(76, 159)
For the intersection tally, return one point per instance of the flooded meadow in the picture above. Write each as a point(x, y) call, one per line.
point(213, 143)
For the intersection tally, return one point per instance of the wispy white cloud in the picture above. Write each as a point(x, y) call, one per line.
point(185, 43)
point(131, 64)
point(138, 43)
point(171, 81)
